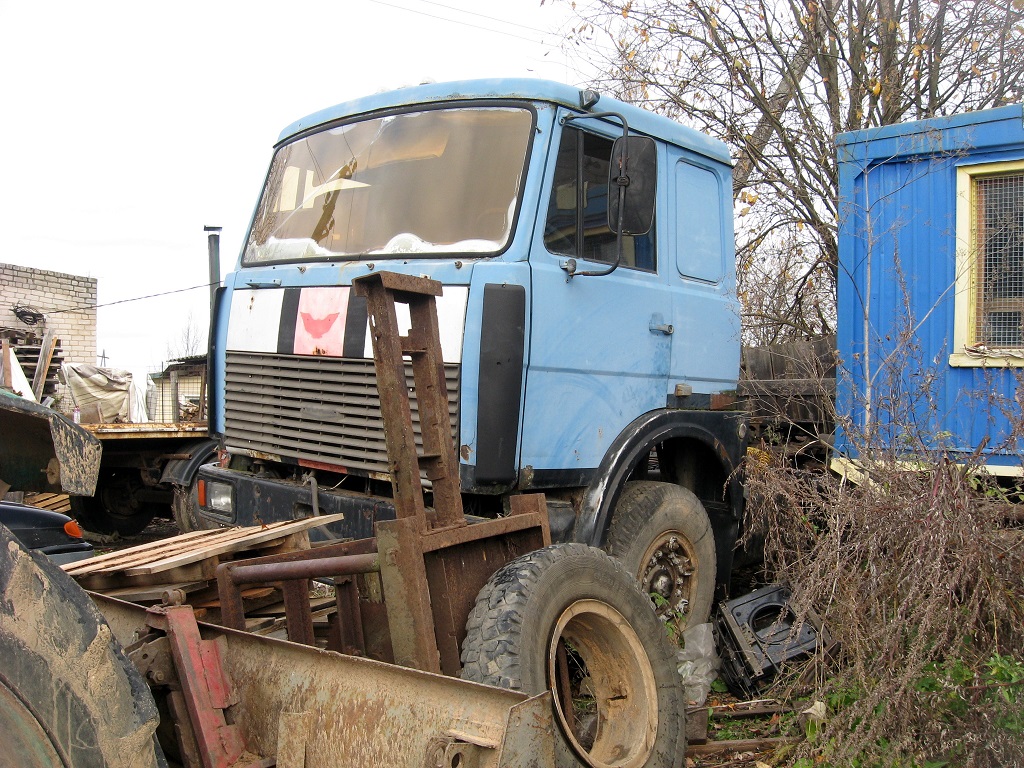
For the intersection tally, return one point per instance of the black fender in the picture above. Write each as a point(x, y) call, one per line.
point(182, 471)
point(723, 432)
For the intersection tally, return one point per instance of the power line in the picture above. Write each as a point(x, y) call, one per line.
point(463, 23)
point(125, 301)
point(484, 16)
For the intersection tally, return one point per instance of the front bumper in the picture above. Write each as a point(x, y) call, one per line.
point(257, 500)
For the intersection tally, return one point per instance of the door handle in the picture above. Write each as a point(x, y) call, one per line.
point(657, 326)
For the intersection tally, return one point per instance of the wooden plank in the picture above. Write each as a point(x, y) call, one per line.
point(250, 594)
point(740, 745)
point(316, 604)
point(43, 364)
point(139, 553)
point(757, 363)
point(251, 537)
point(747, 709)
point(265, 625)
point(55, 502)
point(190, 547)
point(148, 594)
point(102, 581)
point(5, 362)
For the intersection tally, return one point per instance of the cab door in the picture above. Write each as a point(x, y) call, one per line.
point(706, 316)
point(600, 345)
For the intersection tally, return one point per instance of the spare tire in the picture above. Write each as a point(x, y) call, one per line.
point(68, 694)
point(570, 619)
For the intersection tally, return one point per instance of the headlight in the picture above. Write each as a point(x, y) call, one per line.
point(216, 496)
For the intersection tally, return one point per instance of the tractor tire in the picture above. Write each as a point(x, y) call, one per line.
point(569, 618)
point(68, 695)
point(663, 536)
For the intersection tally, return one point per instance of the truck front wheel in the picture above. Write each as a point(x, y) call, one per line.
point(184, 506)
point(68, 695)
point(663, 536)
point(568, 618)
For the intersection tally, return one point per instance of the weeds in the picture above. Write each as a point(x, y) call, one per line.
point(918, 572)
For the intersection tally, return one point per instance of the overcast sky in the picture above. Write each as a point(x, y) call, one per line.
point(128, 126)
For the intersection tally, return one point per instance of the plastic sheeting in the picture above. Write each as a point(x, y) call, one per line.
point(102, 395)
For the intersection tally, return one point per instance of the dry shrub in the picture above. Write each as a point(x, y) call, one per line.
point(918, 572)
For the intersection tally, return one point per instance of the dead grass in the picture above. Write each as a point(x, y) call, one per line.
point(918, 574)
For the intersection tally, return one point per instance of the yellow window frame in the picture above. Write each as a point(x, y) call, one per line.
point(966, 350)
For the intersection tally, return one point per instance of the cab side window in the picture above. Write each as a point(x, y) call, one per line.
point(577, 220)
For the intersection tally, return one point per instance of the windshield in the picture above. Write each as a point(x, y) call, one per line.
point(441, 180)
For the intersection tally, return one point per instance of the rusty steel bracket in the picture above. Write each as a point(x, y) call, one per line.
point(293, 576)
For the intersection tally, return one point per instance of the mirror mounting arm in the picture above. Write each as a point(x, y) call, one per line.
point(622, 181)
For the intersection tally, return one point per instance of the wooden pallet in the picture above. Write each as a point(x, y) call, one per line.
point(55, 502)
point(190, 559)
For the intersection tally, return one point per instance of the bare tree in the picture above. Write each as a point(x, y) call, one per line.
point(190, 342)
point(778, 81)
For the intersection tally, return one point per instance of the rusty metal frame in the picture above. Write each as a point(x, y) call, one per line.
point(432, 566)
point(432, 562)
point(383, 290)
point(292, 572)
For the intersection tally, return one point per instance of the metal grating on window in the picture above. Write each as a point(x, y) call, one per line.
point(998, 227)
point(323, 410)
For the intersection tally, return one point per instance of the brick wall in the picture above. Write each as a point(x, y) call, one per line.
point(49, 293)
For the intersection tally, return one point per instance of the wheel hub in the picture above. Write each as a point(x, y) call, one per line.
point(669, 573)
point(26, 741)
point(620, 724)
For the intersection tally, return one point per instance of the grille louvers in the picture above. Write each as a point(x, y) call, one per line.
point(320, 409)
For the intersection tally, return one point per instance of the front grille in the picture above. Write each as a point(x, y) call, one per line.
point(319, 409)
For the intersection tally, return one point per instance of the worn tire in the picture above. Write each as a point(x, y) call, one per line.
point(579, 596)
point(68, 695)
point(663, 536)
point(184, 506)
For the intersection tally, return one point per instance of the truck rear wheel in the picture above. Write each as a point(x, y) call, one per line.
point(568, 618)
point(115, 508)
point(68, 695)
point(663, 536)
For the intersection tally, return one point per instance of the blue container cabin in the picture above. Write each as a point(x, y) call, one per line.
point(930, 330)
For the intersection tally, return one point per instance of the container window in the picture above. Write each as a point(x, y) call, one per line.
point(998, 249)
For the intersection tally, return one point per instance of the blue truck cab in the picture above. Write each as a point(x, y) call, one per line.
point(594, 371)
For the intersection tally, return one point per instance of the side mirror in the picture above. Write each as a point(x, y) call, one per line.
point(634, 172)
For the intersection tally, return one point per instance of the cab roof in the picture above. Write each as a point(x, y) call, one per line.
point(524, 89)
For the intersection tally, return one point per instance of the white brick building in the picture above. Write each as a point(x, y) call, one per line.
point(67, 304)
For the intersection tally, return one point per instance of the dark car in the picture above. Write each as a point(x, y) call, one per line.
point(43, 530)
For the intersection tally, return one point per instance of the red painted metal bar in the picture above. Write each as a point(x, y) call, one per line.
point(205, 686)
